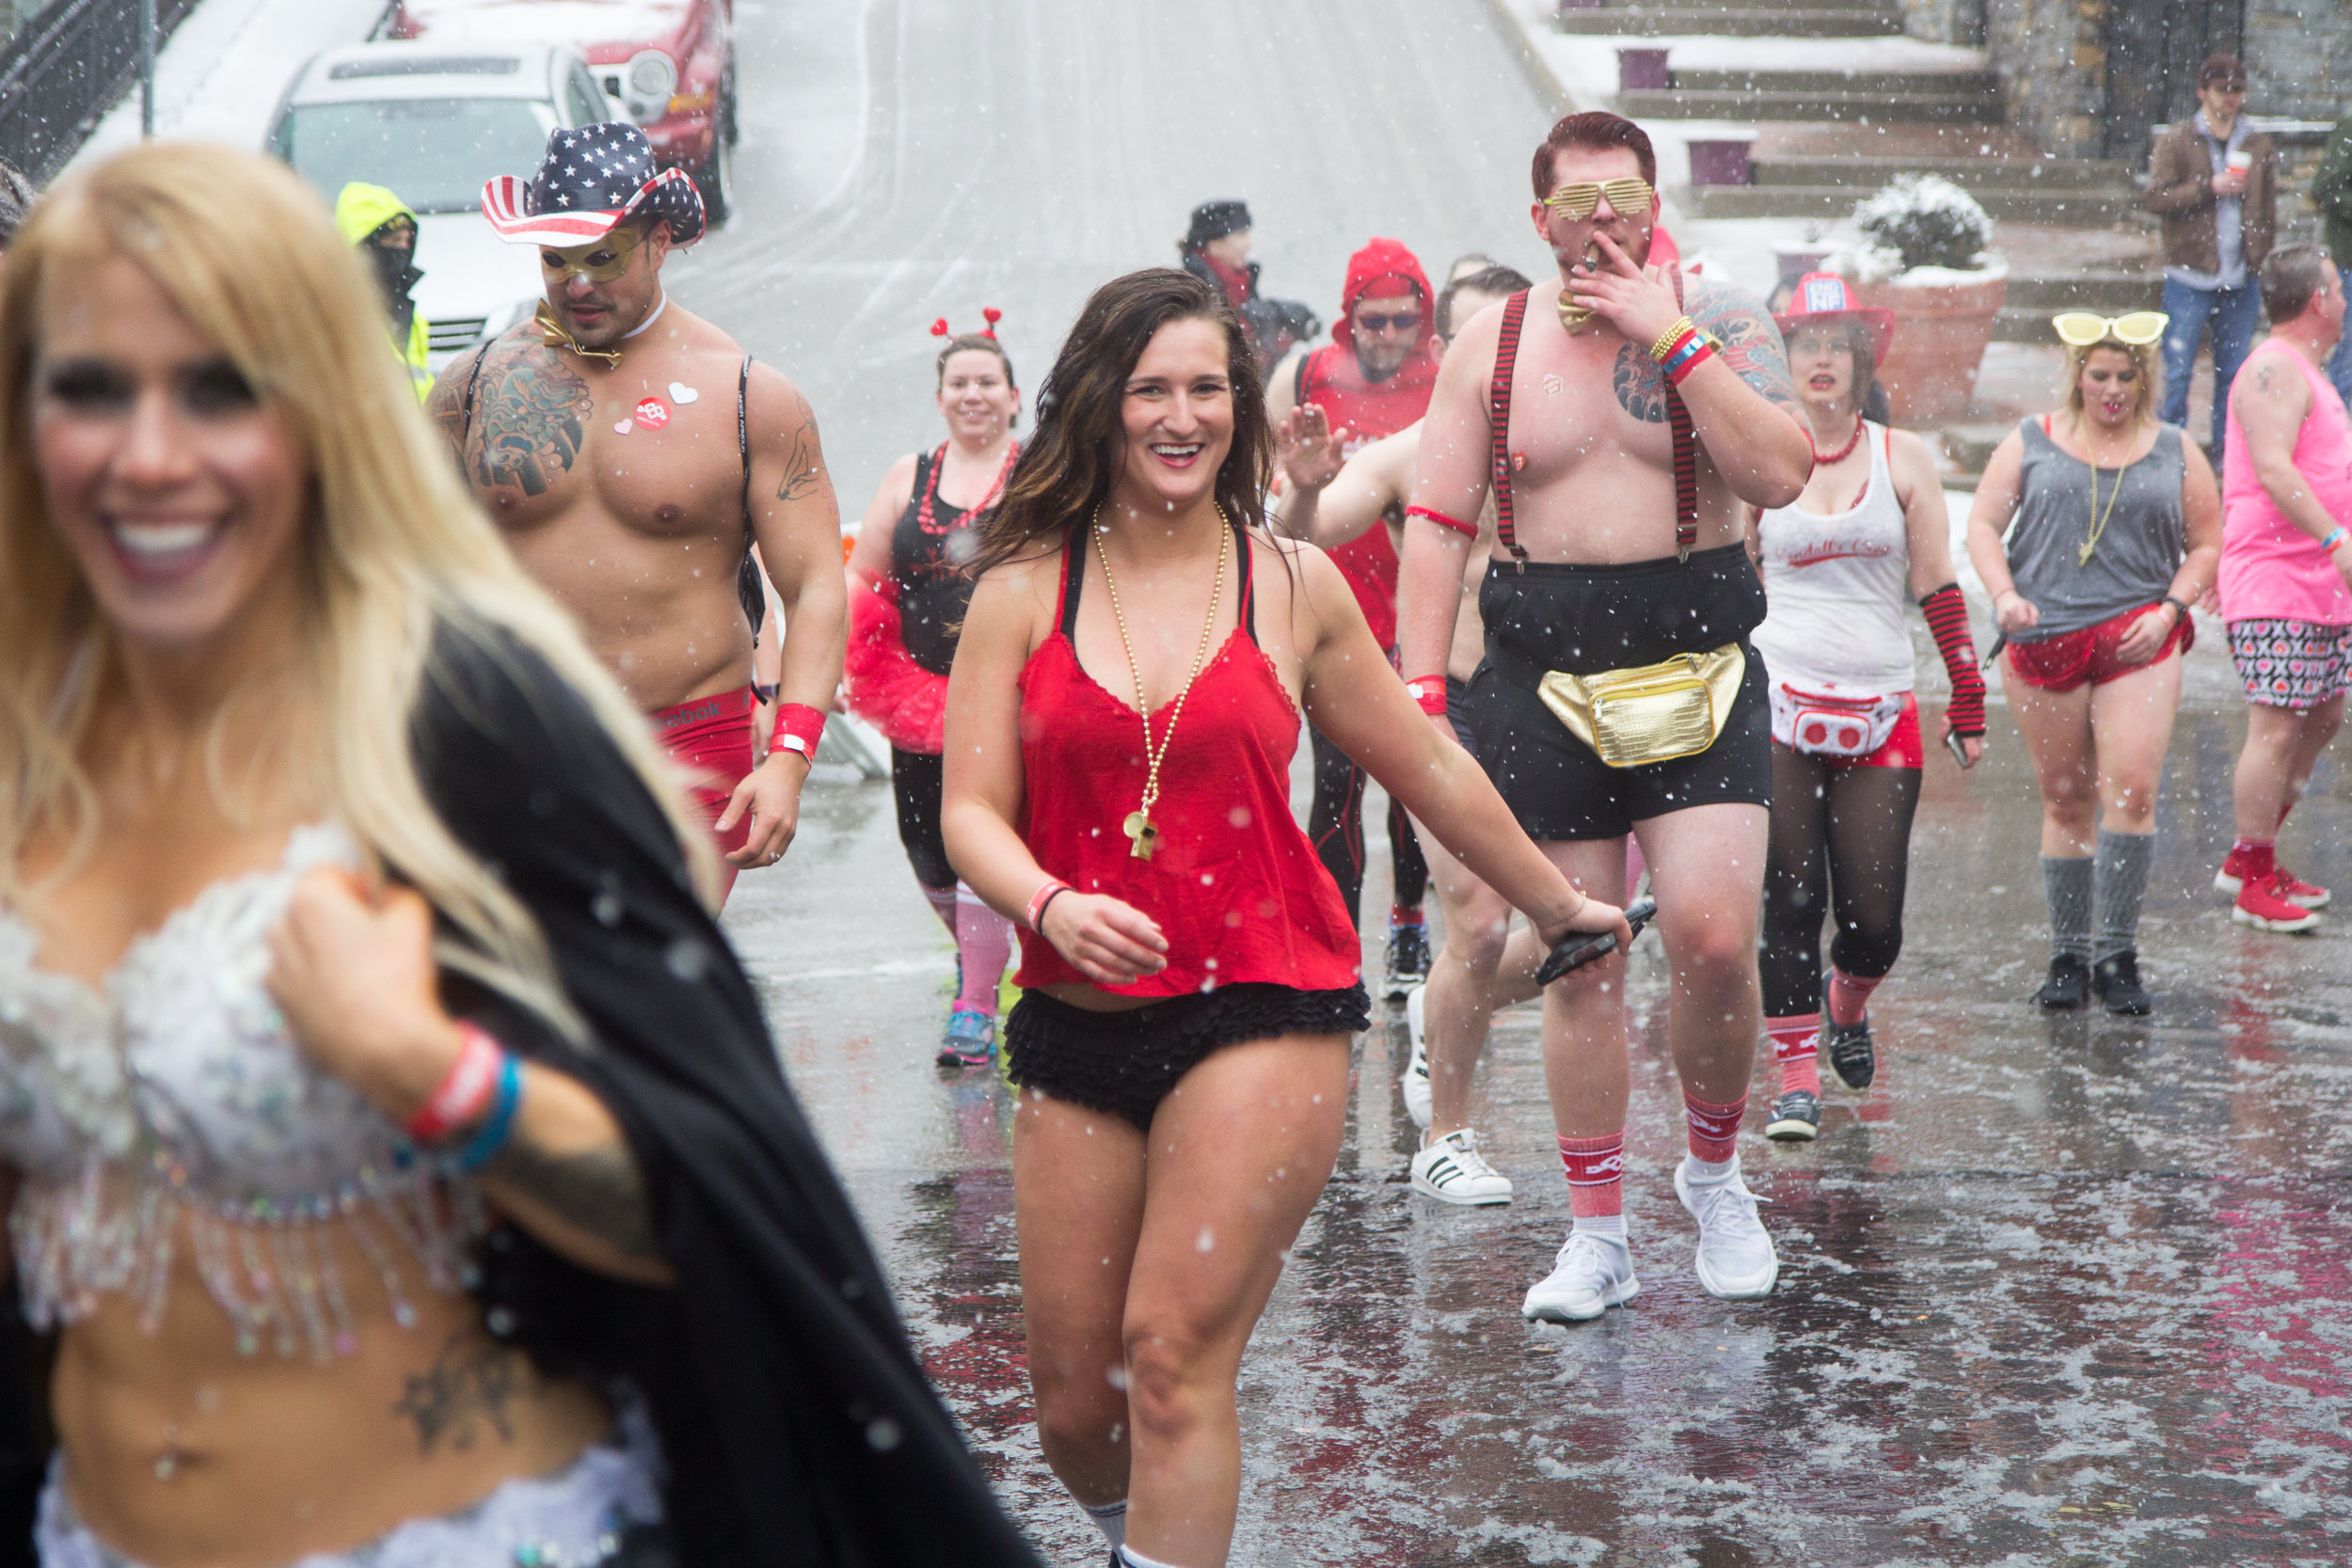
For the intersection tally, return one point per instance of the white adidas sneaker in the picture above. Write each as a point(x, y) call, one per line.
point(1417, 1066)
point(1735, 1261)
point(1592, 1273)
point(1453, 1171)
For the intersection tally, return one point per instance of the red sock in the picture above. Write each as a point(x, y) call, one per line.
point(1596, 1175)
point(1404, 915)
point(1714, 1129)
point(2256, 857)
point(1850, 996)
point(1796, 1046)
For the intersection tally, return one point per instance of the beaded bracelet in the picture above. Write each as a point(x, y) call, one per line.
point(1670, 337)
point(494, 1133)
point(464, 1090)
point(2335, 536)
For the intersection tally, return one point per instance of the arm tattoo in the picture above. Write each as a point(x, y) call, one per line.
point(597, 1191)
point(469, 1387)
point(1752, 344)
point(1640, 387)
point(532, 410)
point(802, 472)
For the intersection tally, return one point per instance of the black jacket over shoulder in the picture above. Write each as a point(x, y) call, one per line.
point(797, 1425)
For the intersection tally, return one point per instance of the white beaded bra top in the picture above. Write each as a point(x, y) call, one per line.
point(172, 1092)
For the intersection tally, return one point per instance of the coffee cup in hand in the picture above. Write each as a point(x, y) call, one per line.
point(2240, 162)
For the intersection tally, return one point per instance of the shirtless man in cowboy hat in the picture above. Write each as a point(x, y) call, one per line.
point(1634, 410)
point(632, 453)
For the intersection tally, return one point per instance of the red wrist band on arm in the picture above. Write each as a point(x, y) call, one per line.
point(1429, 691)
point(1038, 901)
point(1679, 371)
point(465, 1090)
point(1948, 621)
point(799, 728)
point(1442, 520)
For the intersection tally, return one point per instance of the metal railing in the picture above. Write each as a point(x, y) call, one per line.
point(64, 69)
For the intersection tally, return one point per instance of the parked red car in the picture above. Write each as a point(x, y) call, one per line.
point(668, 64)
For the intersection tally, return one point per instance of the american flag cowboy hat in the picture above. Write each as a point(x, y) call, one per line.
point(592, 179)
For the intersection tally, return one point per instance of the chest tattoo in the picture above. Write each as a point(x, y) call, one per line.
point(533, 413)
point(1641, 388)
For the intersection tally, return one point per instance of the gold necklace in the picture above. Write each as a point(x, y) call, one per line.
point(1142, 833)
point(2098, 519)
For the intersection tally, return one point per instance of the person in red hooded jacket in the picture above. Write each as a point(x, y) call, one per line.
point(1371, 380)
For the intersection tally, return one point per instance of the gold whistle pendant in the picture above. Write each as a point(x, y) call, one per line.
point(1143, 833)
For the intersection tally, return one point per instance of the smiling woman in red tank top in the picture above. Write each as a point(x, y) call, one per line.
point(1193, 980)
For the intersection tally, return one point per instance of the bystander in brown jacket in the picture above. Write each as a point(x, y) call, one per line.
point(2180, 192)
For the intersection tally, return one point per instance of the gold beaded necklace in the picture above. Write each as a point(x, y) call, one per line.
point(2099, 519)
point(1142, 833)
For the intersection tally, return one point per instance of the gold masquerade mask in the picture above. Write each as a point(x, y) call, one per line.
point(599, 261)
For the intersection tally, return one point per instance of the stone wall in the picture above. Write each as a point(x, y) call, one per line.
point(2051, 63)
point(2298, 58)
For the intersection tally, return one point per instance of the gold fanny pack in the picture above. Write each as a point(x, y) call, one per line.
point(1656, 713)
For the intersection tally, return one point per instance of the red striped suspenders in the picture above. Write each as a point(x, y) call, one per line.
point(1686, 456)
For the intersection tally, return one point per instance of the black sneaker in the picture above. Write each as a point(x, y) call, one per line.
point(2116, 982)
point(1409, 959)
point(1796, 1118)
point(2069, 984)
point(1848, 1047)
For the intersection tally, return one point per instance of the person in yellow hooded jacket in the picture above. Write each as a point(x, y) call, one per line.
point(385, 231)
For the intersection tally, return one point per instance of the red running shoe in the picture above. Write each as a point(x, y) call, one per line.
point(2231, 879)
point(2263, 906)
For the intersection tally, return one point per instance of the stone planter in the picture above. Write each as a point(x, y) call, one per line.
point(1943, 322)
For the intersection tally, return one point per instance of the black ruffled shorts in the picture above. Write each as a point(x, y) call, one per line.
point(1124, 1064)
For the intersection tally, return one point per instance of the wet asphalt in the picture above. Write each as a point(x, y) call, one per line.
point(2063, 1290)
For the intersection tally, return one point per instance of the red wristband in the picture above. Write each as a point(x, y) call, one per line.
point(465, 1090)
point(799, 728)
point(1442, 519)
point(1429, 691)
point(1698, 356)
point(1038, 901)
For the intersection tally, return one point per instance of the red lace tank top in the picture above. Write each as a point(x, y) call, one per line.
point(1233, 883)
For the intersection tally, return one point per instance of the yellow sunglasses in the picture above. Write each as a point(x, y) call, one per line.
point(2083, 329)
point(1581, 200)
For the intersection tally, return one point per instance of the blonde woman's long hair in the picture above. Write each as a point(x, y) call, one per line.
point(2148, 356)
point(393, 544)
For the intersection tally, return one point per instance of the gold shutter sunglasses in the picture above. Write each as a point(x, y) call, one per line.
point(1581, 200)
point(2083, 329)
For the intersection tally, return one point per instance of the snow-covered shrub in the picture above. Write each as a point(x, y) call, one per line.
point(1927, 220)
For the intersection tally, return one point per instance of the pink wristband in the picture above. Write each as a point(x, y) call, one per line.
point(465, 1090)
point(1038, 901)
point(799, 728)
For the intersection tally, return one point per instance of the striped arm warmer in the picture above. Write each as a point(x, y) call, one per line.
point(1948, 621)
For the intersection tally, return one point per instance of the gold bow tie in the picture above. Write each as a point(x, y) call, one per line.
point(551, 332)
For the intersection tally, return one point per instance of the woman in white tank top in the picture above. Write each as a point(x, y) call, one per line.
point(1868, 534)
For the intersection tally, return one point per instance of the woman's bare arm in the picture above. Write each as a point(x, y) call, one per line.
point(1998, 495)
point(1927, 521)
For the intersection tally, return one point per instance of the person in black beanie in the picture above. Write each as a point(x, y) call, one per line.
point(1216, 250)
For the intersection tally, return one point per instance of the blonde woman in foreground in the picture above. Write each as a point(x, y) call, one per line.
point(397, 1154)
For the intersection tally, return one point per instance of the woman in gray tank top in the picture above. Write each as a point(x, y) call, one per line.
point(2117, 531)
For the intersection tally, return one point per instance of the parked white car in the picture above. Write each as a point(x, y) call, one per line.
point(433, 122)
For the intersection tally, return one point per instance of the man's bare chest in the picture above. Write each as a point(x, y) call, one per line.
point(1580, 400)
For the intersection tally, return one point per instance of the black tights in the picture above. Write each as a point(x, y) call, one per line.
point(915, 780)
point(1335, 823)
point(1841, 840)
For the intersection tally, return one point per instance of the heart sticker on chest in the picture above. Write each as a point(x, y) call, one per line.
point(682, 394)
point(652, 414)
point(623, 427)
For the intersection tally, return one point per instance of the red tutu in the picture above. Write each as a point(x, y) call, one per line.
point(881, 683)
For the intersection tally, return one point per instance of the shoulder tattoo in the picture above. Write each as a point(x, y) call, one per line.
point(803, 471)
point(1640, 387)
point(530, 414)
point(1752, 344)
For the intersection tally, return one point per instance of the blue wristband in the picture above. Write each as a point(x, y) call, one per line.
point(493, 1135)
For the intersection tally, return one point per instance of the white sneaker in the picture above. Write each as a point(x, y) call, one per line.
point(1453, 1171)
point(1591, 1274)
point(1417, 1068)
point(1735, 1261)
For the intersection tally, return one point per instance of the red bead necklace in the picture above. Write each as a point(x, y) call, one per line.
point(1842, 452)
point(924, 515)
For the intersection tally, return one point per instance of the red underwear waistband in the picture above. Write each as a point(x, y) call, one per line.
point(674, 724)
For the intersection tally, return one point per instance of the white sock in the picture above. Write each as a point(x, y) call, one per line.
point(1610, 1226)
point(1111, 1519)
point(1134, 1559)
point(1703, 1173)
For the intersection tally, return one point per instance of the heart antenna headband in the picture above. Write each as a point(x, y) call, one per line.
point(990, 315)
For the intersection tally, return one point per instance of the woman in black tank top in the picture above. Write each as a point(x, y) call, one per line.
point(907, 597)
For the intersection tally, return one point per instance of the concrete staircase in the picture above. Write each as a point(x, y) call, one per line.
point(1821, 172)
point(1932, 96)
point(1672, 18)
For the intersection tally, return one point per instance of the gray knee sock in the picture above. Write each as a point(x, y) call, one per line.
point(2067, 881)
point(2124, 861)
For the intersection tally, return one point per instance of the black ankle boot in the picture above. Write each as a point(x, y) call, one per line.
point(2069, 984)
point(2116, 982)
